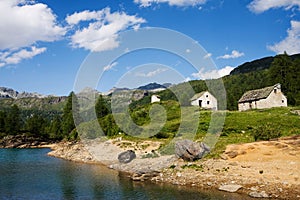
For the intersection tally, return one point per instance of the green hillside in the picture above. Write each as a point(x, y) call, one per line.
point(284, 69)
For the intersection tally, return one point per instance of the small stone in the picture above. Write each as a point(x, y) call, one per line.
point(261, 194)
point(253, 188)
point(230, 188)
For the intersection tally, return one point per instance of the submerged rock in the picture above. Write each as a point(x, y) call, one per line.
point(189, 150)
point(126, 156)
point(230, 188)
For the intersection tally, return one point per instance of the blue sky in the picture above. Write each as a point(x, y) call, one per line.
point(43, 43)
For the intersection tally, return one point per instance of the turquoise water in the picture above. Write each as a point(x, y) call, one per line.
point(31, 174)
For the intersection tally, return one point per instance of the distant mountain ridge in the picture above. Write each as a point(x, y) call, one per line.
point(259, 64)
point(8, 93)
point(152, 86)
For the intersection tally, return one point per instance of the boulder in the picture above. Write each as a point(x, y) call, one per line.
point(126, 156)
point(189, 150)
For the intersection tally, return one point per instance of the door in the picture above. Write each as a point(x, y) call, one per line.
point(200, 103)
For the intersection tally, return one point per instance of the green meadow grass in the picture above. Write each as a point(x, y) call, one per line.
point(194, 123)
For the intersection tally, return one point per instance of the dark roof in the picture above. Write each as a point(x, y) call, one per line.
point(254, 95)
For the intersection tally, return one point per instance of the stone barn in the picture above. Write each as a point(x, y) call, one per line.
point(267, 97)
point(155, 98)
point(205, 100)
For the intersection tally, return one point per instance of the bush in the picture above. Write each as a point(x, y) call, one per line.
point(266, 132)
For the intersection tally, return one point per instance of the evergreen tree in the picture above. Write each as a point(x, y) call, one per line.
point(13, 121)
point(68, 123)
point(2, 121)
point(36, 125)
point(280, 70)
point(55, 130)
point(101, 107)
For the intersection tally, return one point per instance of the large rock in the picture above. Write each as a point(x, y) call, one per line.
point(189, 150)
point(126, 156)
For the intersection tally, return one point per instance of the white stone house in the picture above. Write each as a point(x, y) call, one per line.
point(155, 98)
point(205, 100)
point(267, 97)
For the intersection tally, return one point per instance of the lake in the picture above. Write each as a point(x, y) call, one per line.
point(31, 174)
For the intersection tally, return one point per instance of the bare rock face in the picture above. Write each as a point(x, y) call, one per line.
point(126, 156)
point(189, 150)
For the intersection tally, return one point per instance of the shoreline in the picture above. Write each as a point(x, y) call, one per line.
point(261, 177)
point(261, 169)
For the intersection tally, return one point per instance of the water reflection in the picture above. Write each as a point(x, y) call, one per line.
point(30, 174)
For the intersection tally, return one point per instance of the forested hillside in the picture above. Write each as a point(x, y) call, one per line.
point(259, 64)
point(283, 69)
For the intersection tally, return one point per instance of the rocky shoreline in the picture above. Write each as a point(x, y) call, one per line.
point(260, 170)
point(262, 178)
point(24, 141)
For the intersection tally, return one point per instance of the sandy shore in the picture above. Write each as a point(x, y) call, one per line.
point(261, 169)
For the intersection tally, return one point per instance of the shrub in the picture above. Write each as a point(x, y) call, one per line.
point(266, 132)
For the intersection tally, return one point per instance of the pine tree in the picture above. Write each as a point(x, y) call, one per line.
point(101, 107)
point(36, 125)
point(70, 113)
point(55, 130)
point(13, 121)
point(2, 121)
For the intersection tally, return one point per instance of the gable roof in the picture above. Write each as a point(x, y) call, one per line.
point(198, 95)
point(254, 95)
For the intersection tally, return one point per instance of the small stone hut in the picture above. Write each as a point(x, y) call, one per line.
point(267, 97)
point(204, 100)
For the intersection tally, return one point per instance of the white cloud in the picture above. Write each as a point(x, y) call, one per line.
point(108, 67)
point(208, 55)
point(259, 6)
point(291, 44)
point(23, 23)
point(84, 16)
point(8, 58)
point(102, 32)
point(151, 73)
point(188, 51)
point(213, 74)
point(234, 54)
point(179, 3)
point(187, 79)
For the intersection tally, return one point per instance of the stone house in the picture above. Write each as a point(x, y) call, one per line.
point(267, 97)
point(204, 100)
point(155, 98)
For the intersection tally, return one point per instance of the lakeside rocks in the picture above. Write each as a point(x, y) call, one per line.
point(73, 151)
point(230, 188)
point(126, 156)
point(22, 141)
point(189, 150)
point(243, 170)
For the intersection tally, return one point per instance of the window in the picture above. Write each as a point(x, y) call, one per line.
point(207, 102)
point(207, 96)
point(275, 90)
point(282, 101)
